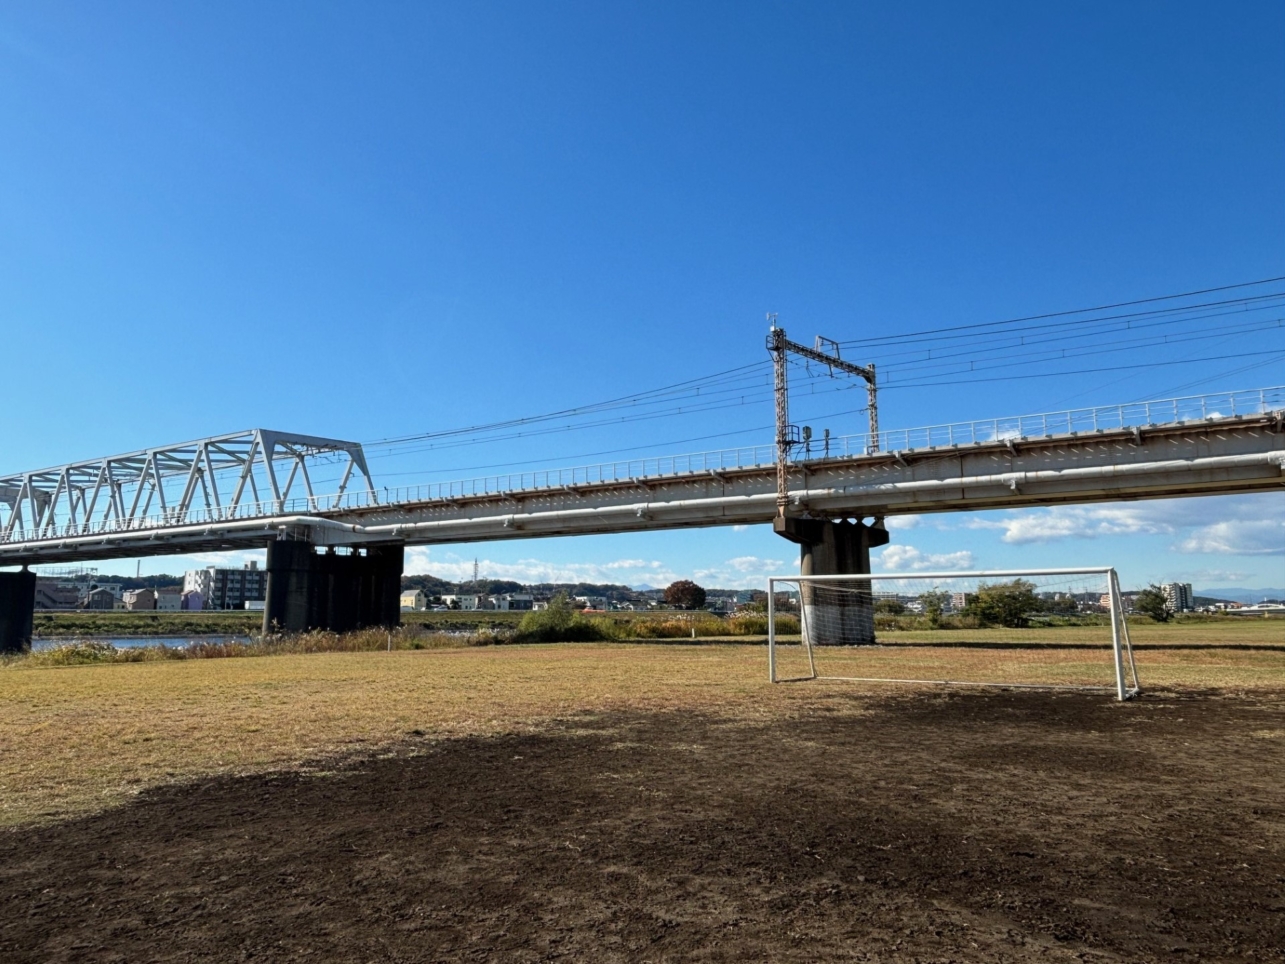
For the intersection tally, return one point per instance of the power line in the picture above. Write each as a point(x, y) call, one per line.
point(1064, 314)
point(1091, 326)
point(1083, 371)
point(996, 345)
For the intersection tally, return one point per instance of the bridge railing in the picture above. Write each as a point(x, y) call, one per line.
point(571, 478)
point(1170, 411)
point(1165, 412)
point(1193, 408)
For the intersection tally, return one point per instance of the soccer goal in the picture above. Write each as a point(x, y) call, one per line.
point(1036, 628)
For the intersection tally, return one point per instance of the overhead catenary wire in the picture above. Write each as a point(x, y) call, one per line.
point(943, 356)
point(948, 330)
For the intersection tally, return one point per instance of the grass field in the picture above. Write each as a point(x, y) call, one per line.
point(77, 738)
point(622, 802)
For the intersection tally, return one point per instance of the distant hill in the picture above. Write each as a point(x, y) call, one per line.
point(1240, 595)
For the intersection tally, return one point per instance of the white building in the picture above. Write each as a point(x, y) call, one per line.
point(228, 588)
point(515, 601)
point(467, 602)
point(169, 599)
point(1179, 596)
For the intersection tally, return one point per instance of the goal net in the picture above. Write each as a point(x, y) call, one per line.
point(1044, 628)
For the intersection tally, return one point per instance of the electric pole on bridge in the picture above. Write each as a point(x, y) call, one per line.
point(788, 435)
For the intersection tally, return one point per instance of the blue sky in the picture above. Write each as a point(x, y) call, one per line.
point(373, 220)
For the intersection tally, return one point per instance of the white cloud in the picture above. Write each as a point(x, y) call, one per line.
point(1241, 525)
point(628, 571)
point(226, 560)
point(740, 528)
point(1238, 538)
point(1218, 575)
point(755, 564)
point(903, 521)
point(741, 572)
point(907, 558)
point(1086, 522)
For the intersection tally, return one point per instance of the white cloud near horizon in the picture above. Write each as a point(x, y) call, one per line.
point(1238, 525)
point(740, 572)
point(898, 558)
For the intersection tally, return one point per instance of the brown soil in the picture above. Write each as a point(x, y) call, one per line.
point(952, 826)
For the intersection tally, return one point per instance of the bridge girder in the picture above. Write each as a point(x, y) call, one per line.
point(215, 480)
point(1215, 456)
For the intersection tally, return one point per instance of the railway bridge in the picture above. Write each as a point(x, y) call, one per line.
point(335, 557)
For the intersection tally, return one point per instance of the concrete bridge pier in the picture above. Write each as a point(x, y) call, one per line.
point(340, 593)
point(17, 607)
point(835, 549)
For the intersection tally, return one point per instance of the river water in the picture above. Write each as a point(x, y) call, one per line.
point(133, 642)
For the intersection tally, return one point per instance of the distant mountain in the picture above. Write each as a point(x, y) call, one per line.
point(1242, 595)
point(642, 587)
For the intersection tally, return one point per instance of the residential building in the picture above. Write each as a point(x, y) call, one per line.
point(98, 599)
point(511, 601)
point(228, 588)
point(414, 600)
point(1179, 596)
point(468, 602)
point(53, 595)
point(191, 601)
point(169, 599)
point(140, 599)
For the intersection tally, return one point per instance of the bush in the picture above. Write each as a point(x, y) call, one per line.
point(559, 623)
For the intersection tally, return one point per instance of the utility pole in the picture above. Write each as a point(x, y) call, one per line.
point(787, 435)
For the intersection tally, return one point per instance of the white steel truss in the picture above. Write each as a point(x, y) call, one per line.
point(241, 475)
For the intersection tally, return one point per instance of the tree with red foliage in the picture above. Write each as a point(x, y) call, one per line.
point(685, 594)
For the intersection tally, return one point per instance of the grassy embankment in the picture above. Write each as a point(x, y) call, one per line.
point(79, 737)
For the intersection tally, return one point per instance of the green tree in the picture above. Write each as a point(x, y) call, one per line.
point(889, 607)
point(934, 603)
point(1152, 602)
point(1004, 603)
point(685, 594)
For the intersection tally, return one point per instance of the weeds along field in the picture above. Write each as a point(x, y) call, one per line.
point(69, 625)
point(86, 727)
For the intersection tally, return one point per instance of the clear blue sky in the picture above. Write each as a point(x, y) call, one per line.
point(370, 220)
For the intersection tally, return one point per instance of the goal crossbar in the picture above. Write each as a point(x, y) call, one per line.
point(1125, 670)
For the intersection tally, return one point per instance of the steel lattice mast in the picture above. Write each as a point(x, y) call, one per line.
point(787, 434)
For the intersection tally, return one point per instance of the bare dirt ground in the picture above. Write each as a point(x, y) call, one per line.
point(850, 826)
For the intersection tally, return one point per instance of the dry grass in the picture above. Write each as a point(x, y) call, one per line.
point(77, 738)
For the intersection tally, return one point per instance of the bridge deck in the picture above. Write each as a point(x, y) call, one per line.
point(1199, 445)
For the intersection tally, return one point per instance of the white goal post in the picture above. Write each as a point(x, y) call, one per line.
point(1031, 628)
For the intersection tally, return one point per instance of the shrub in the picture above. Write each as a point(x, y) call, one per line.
point(559, 623)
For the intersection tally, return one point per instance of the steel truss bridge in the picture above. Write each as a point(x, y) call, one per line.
point(244, 490)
